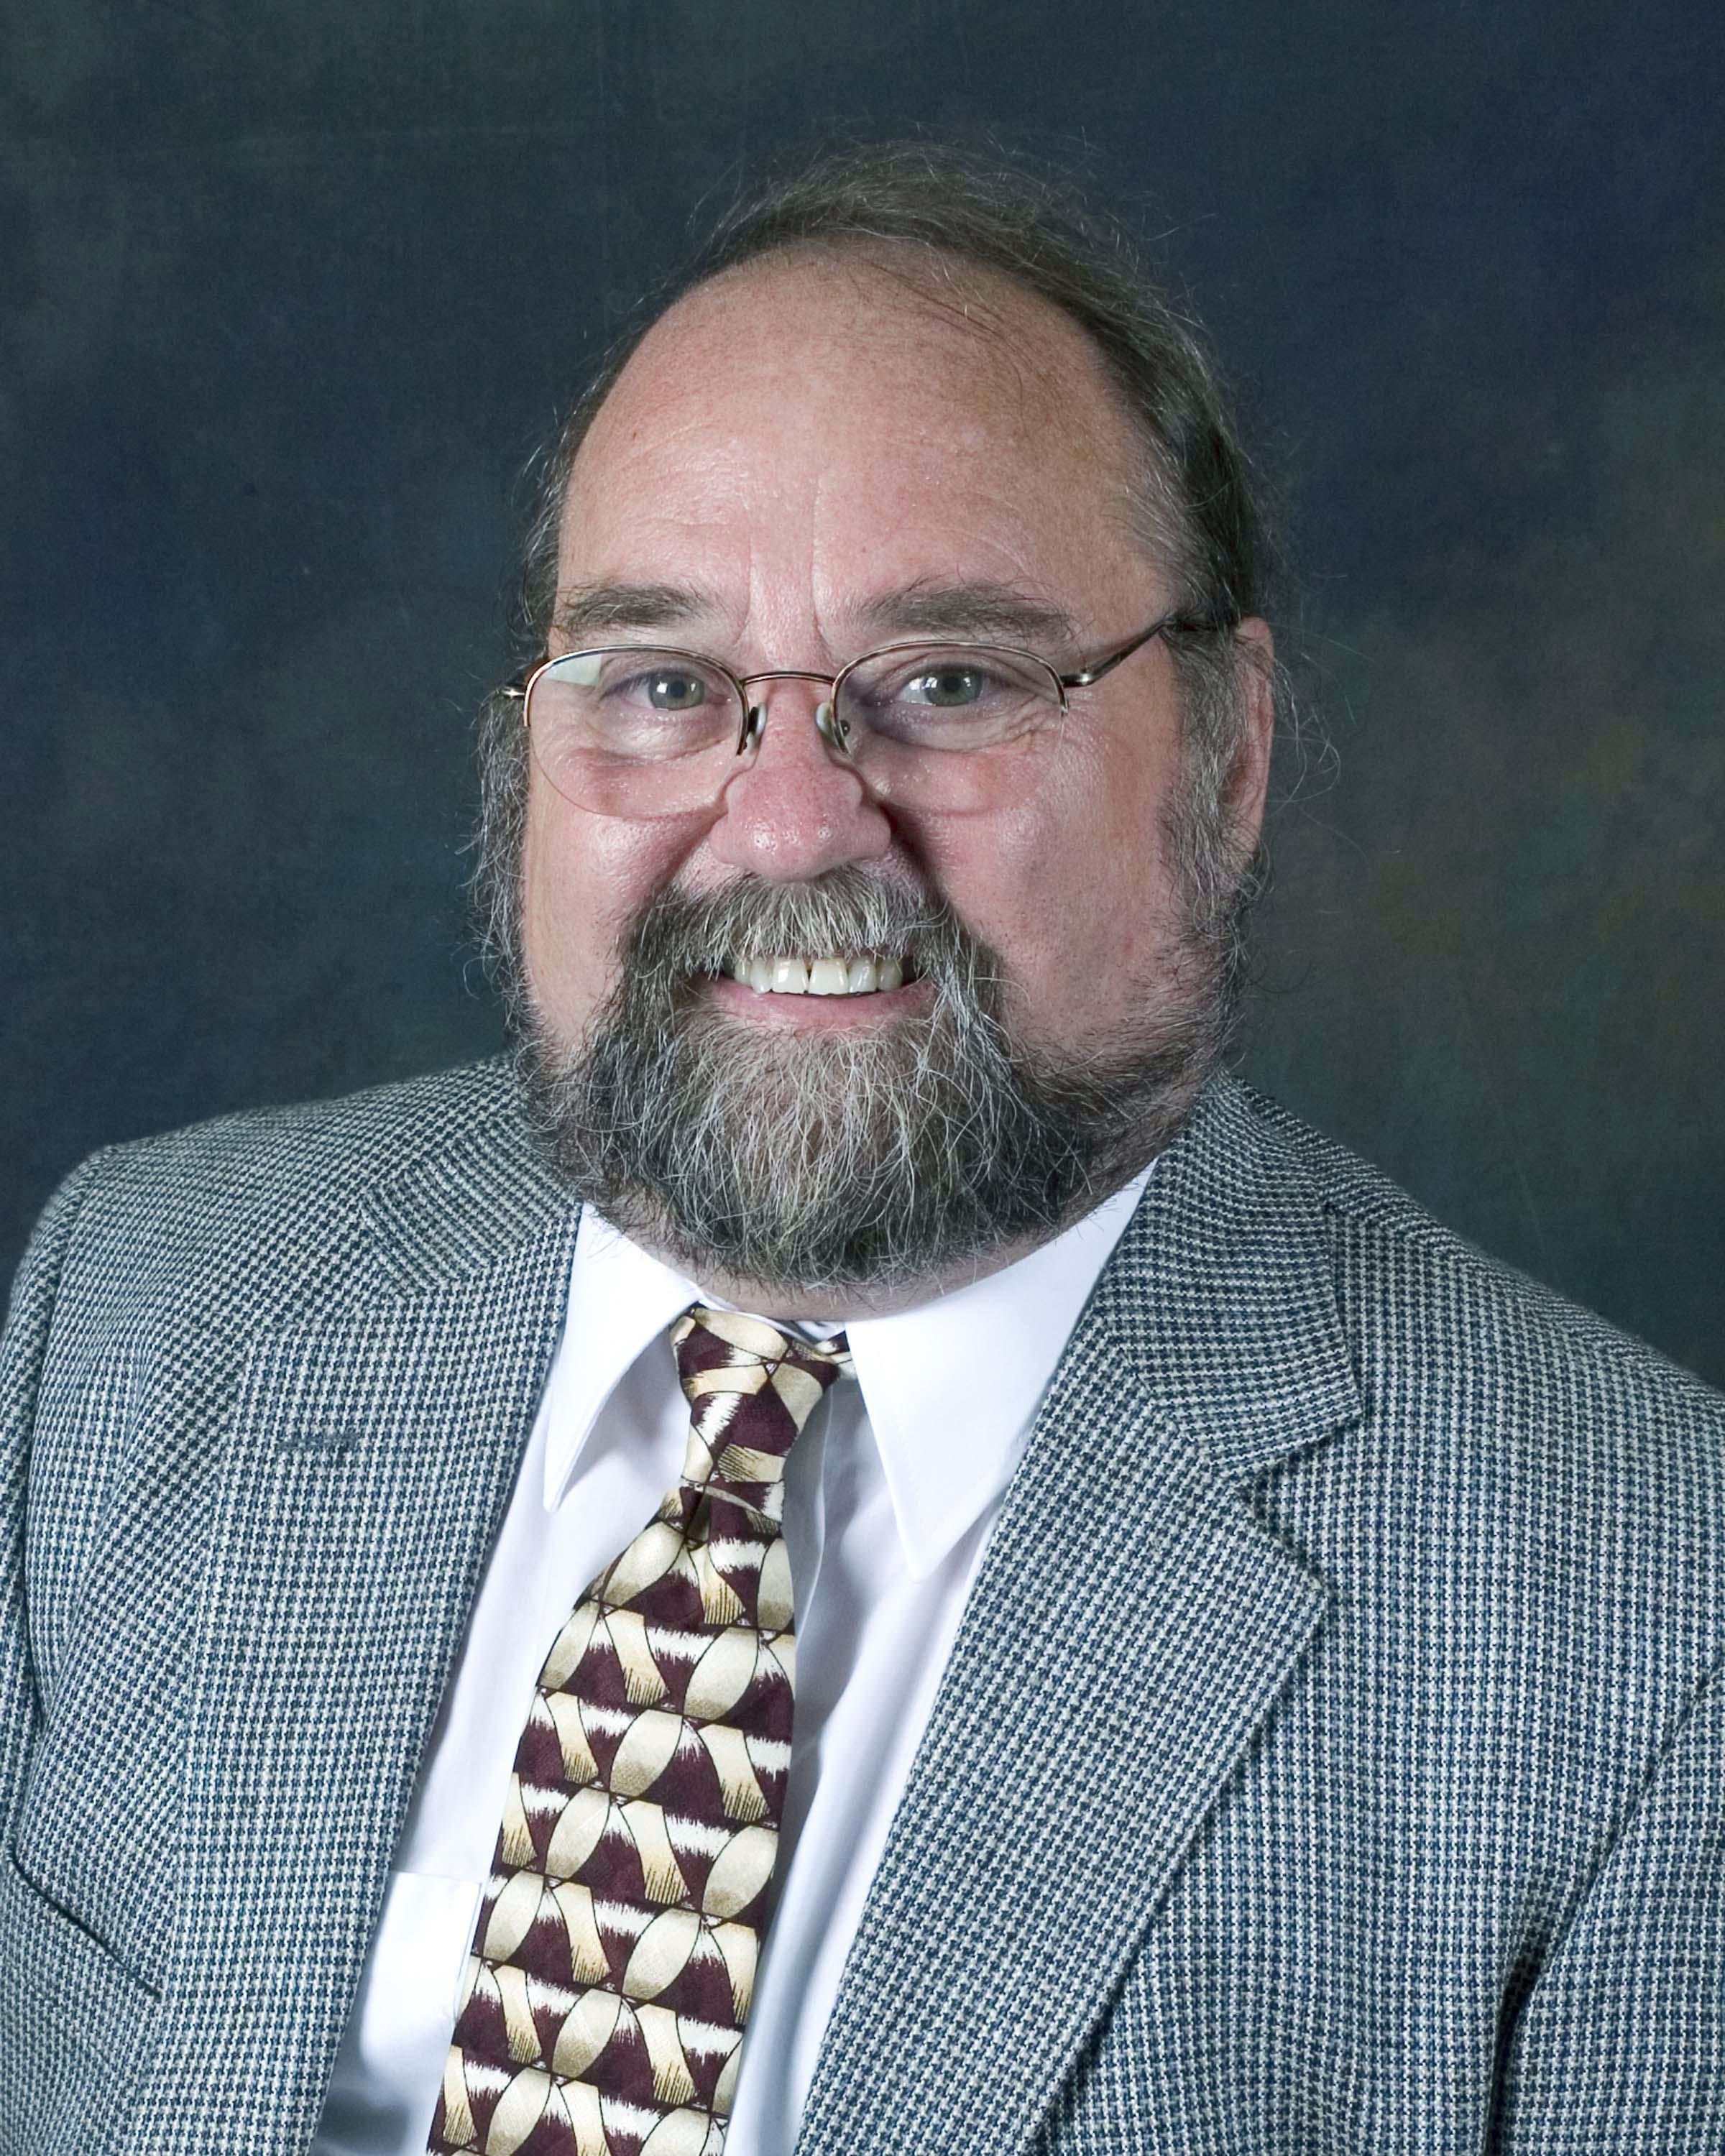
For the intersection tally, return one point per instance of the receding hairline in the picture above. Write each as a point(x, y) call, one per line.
point(957, 289)
point(960, 293)
point(947, 279)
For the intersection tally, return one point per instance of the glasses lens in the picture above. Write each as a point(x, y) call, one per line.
point(951, 727)
point(633, 733)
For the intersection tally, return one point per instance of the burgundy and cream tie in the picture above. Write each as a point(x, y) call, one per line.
point(603, 2003)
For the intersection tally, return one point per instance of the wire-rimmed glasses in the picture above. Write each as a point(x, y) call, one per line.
point(645, 730)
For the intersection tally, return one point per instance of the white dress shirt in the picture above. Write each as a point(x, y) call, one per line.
point(890, 1495)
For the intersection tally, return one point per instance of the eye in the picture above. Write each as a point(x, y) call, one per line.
point(654, 702)
point(947, 688)
point(671, 689)
point(948, 697)
point(634, 687)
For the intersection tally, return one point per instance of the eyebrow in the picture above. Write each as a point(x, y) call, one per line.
point(976, 607)
point(586, 610)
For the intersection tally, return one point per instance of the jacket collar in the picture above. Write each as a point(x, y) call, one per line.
point(1132, 1627)
point(1222, 1294)
point(472, 1188)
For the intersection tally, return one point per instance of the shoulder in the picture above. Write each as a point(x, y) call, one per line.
point(1417, 1298)
point(1541, 1484)
point(242, 1209)
point(382, 1127)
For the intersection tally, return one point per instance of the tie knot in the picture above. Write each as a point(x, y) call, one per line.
point(751, 1388)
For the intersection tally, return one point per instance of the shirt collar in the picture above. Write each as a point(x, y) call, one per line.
point(951, 1387)
point(621, 1299)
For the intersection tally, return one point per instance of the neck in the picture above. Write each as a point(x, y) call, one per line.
point(847, 1300)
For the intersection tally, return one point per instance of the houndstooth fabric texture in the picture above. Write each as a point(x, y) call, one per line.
point(1331, 1762)
point(606, 1997)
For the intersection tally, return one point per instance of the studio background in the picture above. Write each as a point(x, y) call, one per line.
point(290, 293)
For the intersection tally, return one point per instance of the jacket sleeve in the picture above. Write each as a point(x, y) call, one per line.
point(1620, 2048)
point(22, 1349)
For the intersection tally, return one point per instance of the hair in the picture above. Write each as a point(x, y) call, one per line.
point(1196, 503)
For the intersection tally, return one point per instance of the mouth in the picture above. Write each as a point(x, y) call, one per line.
point(825, 974)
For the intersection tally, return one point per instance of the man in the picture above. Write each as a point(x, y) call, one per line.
point(1257, 1663)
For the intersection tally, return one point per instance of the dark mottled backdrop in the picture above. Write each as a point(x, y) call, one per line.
point(290, 289)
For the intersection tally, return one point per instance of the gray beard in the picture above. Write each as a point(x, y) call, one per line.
point(856, 1159)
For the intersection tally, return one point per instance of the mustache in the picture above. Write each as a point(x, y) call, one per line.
point(681, 936)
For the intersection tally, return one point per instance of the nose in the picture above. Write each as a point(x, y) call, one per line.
point(797, 810)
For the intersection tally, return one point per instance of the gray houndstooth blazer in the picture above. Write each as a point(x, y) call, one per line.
point(1332, 1762)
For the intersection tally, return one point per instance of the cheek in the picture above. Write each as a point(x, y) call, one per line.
point(1068, 884)
point(584, 881)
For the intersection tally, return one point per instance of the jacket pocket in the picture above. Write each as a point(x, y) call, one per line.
point(75, 2028)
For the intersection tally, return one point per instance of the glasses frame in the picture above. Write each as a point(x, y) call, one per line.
point(520, 686)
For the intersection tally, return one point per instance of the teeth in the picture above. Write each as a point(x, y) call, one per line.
point(817, 977)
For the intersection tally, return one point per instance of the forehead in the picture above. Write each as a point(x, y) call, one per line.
point(853, 418)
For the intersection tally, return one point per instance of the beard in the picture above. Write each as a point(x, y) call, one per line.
point(856, 1159)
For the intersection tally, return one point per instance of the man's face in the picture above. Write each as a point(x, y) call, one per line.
point(812, 458)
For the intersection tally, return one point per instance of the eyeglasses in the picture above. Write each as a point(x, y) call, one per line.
point(641, 731)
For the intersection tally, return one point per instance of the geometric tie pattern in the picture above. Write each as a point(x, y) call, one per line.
point(603, 2004)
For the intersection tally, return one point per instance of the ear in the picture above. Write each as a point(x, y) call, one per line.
point(1248, 781)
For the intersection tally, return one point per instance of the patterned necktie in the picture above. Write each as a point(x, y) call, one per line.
point(603, 2003)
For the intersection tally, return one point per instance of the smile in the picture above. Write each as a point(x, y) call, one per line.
point(788, 976)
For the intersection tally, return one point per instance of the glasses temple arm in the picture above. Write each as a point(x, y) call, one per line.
point(1187, 623)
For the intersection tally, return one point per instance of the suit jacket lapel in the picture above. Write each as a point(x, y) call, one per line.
point(1130, 1630)
point(372, 1448)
